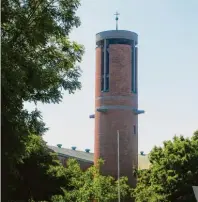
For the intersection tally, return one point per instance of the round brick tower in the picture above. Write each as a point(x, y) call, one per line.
point(116, 102)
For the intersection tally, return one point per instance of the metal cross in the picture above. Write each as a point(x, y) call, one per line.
point(116, 14)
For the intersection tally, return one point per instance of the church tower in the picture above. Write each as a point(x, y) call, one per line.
point(116, 103)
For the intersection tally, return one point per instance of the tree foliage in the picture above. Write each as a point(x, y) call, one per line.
point(38, 61)
point(91, 185)
point(41, 174)
point(173, 172)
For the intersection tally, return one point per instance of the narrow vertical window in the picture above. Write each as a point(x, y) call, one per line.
point(107, 83)
point(134, 129)
point(105, 67)
point(107, 70)
point(133, 68)
point(102, 68)
point(136, 69)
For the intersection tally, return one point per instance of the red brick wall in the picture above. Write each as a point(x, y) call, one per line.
point(107, 124)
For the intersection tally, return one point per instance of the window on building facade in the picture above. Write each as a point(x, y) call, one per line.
point(105, 68)
point(134, 129)
point(102, 69)
point(107, 71)
point(120, 41)
point(134, 68)
point(107, 82)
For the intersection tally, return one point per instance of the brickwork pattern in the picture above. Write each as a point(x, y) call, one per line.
point(107, 124)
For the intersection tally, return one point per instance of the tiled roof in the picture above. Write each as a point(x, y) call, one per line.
point(81, 155)
point(143, 161)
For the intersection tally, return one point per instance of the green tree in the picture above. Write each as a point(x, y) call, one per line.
point(173, 172)
point(38, 61)
point(91, 185)
point(41, 173)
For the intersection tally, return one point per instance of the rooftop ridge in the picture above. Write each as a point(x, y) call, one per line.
point(76, 150)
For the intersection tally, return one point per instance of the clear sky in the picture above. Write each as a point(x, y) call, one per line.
point(168, 71)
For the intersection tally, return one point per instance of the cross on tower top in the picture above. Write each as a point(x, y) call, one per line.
point(116, 14)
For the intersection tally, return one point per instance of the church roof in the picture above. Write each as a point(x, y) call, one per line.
point(81, 155)
point(143, 160)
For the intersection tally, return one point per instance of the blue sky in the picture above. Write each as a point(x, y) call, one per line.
point(168, 71)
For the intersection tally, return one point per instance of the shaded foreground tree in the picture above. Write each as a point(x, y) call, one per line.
point(41, 173)
point(38, 61)
point(173, 172)
point(91, 185)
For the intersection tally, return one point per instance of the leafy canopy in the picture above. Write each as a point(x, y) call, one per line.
point(38, 61)
point(91, 185)
point(41, 173)
point(173, 172)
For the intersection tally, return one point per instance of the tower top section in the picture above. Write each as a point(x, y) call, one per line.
point(117, 34)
